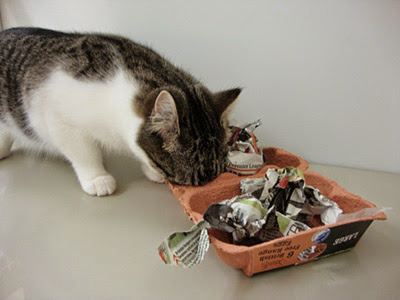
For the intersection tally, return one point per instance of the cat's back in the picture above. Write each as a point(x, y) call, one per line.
point(92, 56)
point(32, 42)
point(34, 52)
point(29, 57)
point(34, 32)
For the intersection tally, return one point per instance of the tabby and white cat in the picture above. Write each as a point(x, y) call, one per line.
point(75, 95)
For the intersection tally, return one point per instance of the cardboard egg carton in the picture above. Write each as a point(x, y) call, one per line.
point(295, 249)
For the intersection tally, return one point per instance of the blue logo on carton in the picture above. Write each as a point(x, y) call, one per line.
point(321, 235)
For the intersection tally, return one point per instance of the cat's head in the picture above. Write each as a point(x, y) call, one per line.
point(185, 133)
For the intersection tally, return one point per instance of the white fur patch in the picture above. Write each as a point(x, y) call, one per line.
point(100, 110)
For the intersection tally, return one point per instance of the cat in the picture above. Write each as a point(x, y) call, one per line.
point(77, 95)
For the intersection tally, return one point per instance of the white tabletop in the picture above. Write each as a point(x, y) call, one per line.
point(63, 244)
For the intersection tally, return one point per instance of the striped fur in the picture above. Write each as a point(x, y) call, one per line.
point(193, 155)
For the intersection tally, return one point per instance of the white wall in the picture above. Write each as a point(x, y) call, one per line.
point(323, 75)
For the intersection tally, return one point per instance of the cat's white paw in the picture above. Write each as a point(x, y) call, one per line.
point(5, 146)
point(152, 174)
point(4, 152)
point(99, 186)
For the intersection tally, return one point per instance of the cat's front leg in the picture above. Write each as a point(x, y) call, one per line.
point(88, 165)
point(86, 159)
point(152, 174)
point(5, 144)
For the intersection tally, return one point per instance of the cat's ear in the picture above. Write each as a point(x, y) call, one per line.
point(225, 99)
point(164, 116)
